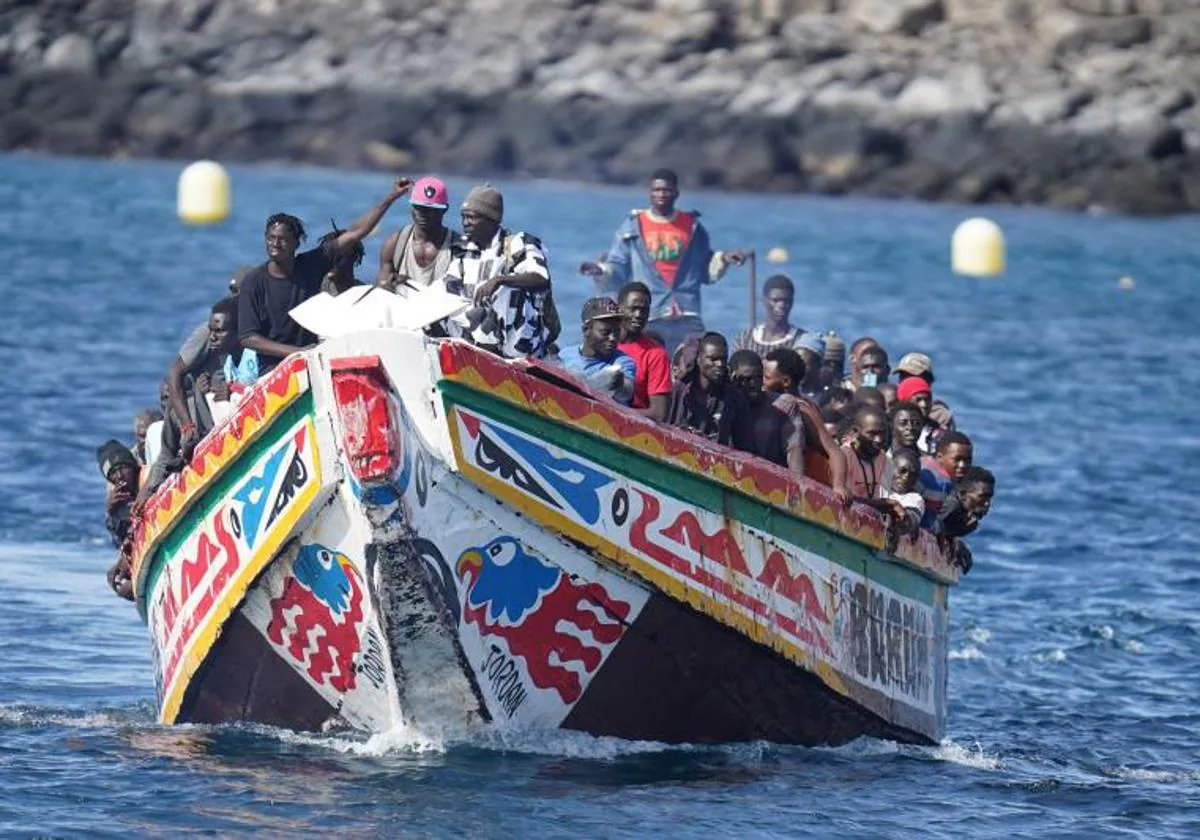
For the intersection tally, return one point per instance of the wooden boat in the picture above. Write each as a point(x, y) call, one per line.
point(395, 531)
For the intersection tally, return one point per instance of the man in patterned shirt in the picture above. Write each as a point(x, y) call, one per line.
point(506, 276)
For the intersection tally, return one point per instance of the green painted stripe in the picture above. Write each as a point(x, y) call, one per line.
point(219, 489)
point(701, 491)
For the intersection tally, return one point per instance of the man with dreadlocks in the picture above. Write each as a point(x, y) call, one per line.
point(287, 279)
point(340, 276)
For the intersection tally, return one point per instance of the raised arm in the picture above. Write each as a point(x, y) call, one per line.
point(366, 223)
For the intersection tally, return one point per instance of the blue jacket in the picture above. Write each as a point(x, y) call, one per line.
point(629, 260)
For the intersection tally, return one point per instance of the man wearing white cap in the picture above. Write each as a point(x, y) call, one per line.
point(419, 253)
point(918, 364)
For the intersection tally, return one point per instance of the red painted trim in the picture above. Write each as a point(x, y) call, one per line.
point(355, 363)
point(859, 522)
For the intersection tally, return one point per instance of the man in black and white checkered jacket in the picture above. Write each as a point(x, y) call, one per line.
point(507, 277)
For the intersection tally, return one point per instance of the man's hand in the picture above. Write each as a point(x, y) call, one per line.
point(591, 269)
point(204, 383)
point(220, 390)
point(485, 290)
point(842, 496)
point(401, 187)
point(189, 436)
point(735, 257)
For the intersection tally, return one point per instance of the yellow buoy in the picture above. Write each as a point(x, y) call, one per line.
point(777, 255)
point(1126, 284)
point(977, 249)
point(204, 193)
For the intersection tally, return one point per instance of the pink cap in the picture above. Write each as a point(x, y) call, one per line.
point(430, 192)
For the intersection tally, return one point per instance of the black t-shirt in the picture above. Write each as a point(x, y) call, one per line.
point(264, 301)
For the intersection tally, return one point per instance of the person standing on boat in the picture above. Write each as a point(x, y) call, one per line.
point(506, 276)
point(707, 403)
point(597, 361)
point(420, 252)
point(287, 279)
point(652, 386)
point(776, 330)
point(668, 250)
point(833, 362)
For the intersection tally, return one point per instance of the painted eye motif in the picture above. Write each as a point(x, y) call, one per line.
point(503, 553)
point(325, 558)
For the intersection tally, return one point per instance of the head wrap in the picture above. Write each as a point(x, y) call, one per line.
point(811, 341)
point(835, 348)
point(485, 200)
point(912, 386)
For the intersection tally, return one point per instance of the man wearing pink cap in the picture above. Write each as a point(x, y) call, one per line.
point(419, 253)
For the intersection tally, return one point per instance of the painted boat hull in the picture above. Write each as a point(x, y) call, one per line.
point(393, 531)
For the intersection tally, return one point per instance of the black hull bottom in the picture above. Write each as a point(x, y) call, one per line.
point(244, 679)
point(679, 677)
point(675, 677)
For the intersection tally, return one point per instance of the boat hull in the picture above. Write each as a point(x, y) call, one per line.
point(469, 543)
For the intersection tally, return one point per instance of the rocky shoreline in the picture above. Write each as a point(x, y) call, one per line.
point(1069, 103)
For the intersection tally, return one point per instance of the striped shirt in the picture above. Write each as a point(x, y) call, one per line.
point(935, 484)
point(753, 340)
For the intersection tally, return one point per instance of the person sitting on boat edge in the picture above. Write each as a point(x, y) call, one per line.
point(668, 250)
point(597, 361)
point(783, 369)
point(507, 277)
point(287, 279)
point(966, 506)
point(866, 463)
point(777, 419)
point(707, 403)
point(939, 472)
point(776, 329)
point(223, 361)
point(142, 421)
point(120, 471)
point(652, 384)
point(919, 364)
point(419, 254)
point(899, 499)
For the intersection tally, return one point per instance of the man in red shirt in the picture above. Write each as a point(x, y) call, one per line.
point(652, 386)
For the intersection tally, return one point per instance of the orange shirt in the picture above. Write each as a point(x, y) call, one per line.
point(665, 240)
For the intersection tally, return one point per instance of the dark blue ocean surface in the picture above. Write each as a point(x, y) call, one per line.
point(1073, 679)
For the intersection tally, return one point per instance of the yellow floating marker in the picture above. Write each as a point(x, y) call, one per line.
point(204, 193)
point(778, 255)
point(1126, 284)
point(977, 249)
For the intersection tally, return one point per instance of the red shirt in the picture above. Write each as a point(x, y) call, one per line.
point(653, 370)
point(665, 240)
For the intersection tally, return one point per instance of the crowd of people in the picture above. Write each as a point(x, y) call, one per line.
point(780, 392)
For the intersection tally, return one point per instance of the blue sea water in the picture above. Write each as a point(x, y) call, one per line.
point(1073, 677)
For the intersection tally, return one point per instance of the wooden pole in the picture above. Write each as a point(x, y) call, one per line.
point(752, 259)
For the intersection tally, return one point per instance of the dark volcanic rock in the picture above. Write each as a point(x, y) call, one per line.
point(1075, 103)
